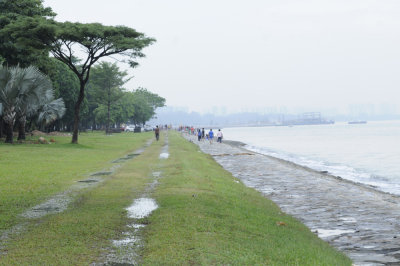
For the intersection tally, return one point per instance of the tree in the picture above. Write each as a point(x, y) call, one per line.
point(95, 40)
point(23, 12)
point(145, 103)
point(66, 86)
point(24, 91)
point(105, 86)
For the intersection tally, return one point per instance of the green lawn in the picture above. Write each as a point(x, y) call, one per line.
point(30, 173)
point(205, 217)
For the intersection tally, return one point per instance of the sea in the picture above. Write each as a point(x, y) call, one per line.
point(363, 153)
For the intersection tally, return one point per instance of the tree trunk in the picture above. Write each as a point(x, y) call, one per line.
point(21, 128)
point(77, 110)
point(9, 120)
point(9, 133)
point(1, 127)
point(108, 118)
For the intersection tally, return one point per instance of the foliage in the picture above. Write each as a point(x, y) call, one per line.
point(105, 90)
point(66, 86)
point(145, 104)
point(17, 13)
point(25, 92)
point(63, 40)
point(97, 41)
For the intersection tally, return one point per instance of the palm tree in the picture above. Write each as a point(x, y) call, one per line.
point(51, 110)
point(24, 92)
point(8, 98)
point(34, 89)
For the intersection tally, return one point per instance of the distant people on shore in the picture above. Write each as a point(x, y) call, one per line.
point(219, 136)
point(211, 135)
point(198, 134)
point(203, 133)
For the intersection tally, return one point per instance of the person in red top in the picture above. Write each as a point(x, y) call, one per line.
point(157, 132)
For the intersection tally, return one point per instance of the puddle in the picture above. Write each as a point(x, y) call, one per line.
point(89, 181)
point(101, 174)
point(141, 208)
point(128, 156)
point(156, 174)
point(322, 233)
point(132, 155)
point(57, 204)
point(164, 155)
point(126, 250)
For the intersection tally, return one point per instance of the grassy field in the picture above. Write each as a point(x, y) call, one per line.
point(205, 217)
point(30, 173)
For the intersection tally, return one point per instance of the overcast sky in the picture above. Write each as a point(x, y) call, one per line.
point(247, 55)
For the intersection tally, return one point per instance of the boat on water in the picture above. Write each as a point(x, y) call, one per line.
point(356, 122)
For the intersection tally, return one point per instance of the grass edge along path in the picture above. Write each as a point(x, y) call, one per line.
point(82, 234)
point(206, 217)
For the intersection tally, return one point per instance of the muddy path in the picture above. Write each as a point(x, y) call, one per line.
point(61, 201)
point(361, 222)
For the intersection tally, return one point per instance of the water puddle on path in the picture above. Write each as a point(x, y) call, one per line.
point(141, 208)
point(164, 155)
point(126, 250)
point(164, 152)
point(56, 204)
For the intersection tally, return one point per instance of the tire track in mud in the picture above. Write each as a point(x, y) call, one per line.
point(60, 202)
point(126, 251)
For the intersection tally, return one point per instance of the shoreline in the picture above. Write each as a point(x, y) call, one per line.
point(355, 218)
point(242, 145)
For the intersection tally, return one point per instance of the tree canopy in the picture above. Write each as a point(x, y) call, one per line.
point(95, 40)
point(24, 49)
point(145, 104)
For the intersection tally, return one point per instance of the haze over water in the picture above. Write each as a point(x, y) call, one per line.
point(365, 153)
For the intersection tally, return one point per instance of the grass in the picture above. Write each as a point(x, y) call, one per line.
point(80, 235)
point(205, 217)
point(30, 173)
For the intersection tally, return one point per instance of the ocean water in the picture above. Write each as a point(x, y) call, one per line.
point(363, 153)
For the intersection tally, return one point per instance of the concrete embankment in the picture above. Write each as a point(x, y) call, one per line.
point(358, 220)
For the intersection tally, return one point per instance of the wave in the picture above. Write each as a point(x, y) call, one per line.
point(343, 171)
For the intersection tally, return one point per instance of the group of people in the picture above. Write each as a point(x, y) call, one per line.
point(201, 135)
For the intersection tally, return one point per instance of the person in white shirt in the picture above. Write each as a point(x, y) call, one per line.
point(219, 136)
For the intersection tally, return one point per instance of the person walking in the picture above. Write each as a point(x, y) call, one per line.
point(199, 135)
point(211, 135)
point(157, 133)
point(219, 136)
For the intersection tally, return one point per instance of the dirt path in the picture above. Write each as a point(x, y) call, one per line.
point(361, 222)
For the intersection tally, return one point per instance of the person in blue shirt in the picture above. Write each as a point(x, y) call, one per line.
point(211, 136)
point(198, 134)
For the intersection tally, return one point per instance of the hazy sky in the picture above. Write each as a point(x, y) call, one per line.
point(259, 53)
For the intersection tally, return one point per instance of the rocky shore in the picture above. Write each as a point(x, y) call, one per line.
point(361, 222)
